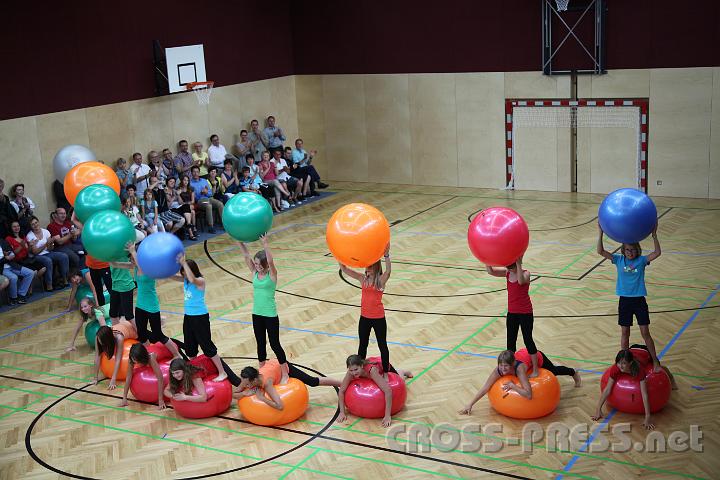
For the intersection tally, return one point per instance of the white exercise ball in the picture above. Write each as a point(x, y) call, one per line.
point(69, 156)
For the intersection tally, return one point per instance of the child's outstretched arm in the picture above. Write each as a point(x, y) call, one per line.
point(496, 271)
point(605, 394)
point(388, 266)
point(481, 393)
point(351, 273)
point(646, 404)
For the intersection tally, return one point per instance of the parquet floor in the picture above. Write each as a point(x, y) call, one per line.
point(446, 323)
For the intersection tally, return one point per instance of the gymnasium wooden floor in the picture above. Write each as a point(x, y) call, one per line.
point(446, 323)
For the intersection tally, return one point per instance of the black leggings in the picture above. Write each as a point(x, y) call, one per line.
point(522, 321)
point(556, 369)
point(196, 332)
point(155, 334)
point(307, 379)
point(232, 377)
point(271, 325)
point(380, 326)
point(99, 277)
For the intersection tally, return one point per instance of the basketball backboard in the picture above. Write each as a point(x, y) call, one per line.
point(184, 65)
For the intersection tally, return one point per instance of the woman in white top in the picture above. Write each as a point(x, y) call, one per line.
point(42, 246)
point(23, 205)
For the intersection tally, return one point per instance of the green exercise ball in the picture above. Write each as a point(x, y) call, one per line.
point(93, 326)
point(95, 198)
point(105, 235)
point(246, 216)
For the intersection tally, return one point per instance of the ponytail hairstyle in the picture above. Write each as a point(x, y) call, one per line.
point(355, 361)
point(194, 268)
point(250, 373)
point(106, 341)
point(506, 357)
point(628, 357)
point(186, 384)
point(139, 354)
point(373, 278)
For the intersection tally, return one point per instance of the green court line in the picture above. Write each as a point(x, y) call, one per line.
point(299, 464)
point(453, 350)
point(575, 261)
point(18, 409)
point(46, 357)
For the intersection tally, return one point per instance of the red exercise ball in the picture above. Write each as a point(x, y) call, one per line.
point(626, 396)
point(365, 399)
point(144, 385)
point(160, 350)
point(219, 398)
point(498, 236)
point(357, 235)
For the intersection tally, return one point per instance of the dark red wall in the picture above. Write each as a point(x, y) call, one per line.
point(79, 53)
point(413, 36)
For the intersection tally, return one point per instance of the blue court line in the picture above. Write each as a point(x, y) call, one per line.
point(672, 341)
point(33, 325)
point(354, 337)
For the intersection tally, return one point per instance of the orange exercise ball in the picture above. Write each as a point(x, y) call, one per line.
point(89, 173)
point(107, 366)
point(295, 397)
point(545, 396)
point(357, 235)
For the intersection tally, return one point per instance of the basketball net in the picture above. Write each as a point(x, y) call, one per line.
point(202, 91)
point(562, 5)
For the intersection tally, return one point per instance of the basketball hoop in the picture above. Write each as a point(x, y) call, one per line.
point(202, 90)
point(562, 5)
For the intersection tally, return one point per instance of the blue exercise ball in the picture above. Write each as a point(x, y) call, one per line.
point(157, 255)
point(627, 215)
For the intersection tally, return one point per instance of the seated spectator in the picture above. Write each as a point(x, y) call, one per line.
point(140, 174)
point(178, 206)
point(250, 182)
point(183, 160)
point(7, 211)
point(242, 148)
point(20, 277)
point(123, 174)
point(42, 245)
point(294, 185)
point(149, 212)
point(131, 211)
point(275, 136)
point(204, 198)
point(168, 221)
point(22, 253)
point(200, 160)
point(216, 184)
point(216, 152)
point(4, 282)
point(258, 141)
point(23, 205)
point(168, 164)
point(159, 172)
point(230, 180)
point(303, 160)
point(130, 193)
point(269, 177)
point(67, 238)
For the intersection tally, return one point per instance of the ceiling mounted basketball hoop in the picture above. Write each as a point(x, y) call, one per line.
point(562, 5)
point(202, 90)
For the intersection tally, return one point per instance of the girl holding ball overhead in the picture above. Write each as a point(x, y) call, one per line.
point(264, 313)
point(520, 310)
point(372, 311)
point(630, 287)
point(196, 322)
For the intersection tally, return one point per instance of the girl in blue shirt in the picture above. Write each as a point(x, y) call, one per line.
point(196, 322)
point(630, 287)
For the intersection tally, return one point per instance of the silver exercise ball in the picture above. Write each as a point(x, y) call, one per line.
point(69, 156)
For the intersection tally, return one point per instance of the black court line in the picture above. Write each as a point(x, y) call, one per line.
point(312, 436)
point(397, 222)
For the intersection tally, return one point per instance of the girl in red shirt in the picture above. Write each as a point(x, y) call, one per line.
point(372, 311)
point(520, 311)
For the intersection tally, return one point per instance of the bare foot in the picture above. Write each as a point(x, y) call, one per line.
point(220, 377)
point(407, 374)
point(674, 385)
point(578, 380)
point(284, 379)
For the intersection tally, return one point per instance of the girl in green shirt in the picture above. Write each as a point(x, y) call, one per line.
point(264, 312)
